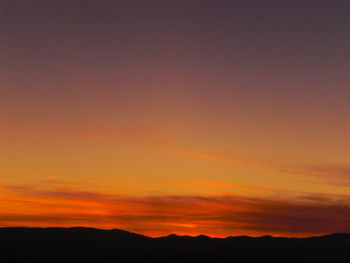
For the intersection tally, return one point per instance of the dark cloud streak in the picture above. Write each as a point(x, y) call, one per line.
point(213, 215)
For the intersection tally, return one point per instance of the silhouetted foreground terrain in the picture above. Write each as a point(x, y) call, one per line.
point(94, 245)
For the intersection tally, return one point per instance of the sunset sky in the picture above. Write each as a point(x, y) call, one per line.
point(216, 117)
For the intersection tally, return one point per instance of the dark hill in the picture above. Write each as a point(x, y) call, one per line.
point(95, 245)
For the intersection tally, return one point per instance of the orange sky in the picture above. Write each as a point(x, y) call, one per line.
point(223, 119)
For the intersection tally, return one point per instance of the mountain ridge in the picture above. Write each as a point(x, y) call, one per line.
point(172, 235)
point(80, 244)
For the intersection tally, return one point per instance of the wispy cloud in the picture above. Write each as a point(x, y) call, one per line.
point(216, 157)
point(334, 174)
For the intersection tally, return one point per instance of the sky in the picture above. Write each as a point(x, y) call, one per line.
point(190, 117)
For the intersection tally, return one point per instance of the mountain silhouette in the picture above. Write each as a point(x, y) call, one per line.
point(80, 244)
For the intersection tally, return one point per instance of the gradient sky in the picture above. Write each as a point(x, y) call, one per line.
point(189, 117)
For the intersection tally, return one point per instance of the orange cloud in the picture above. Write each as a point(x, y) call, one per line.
point(162, 215)
point(223, 185)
